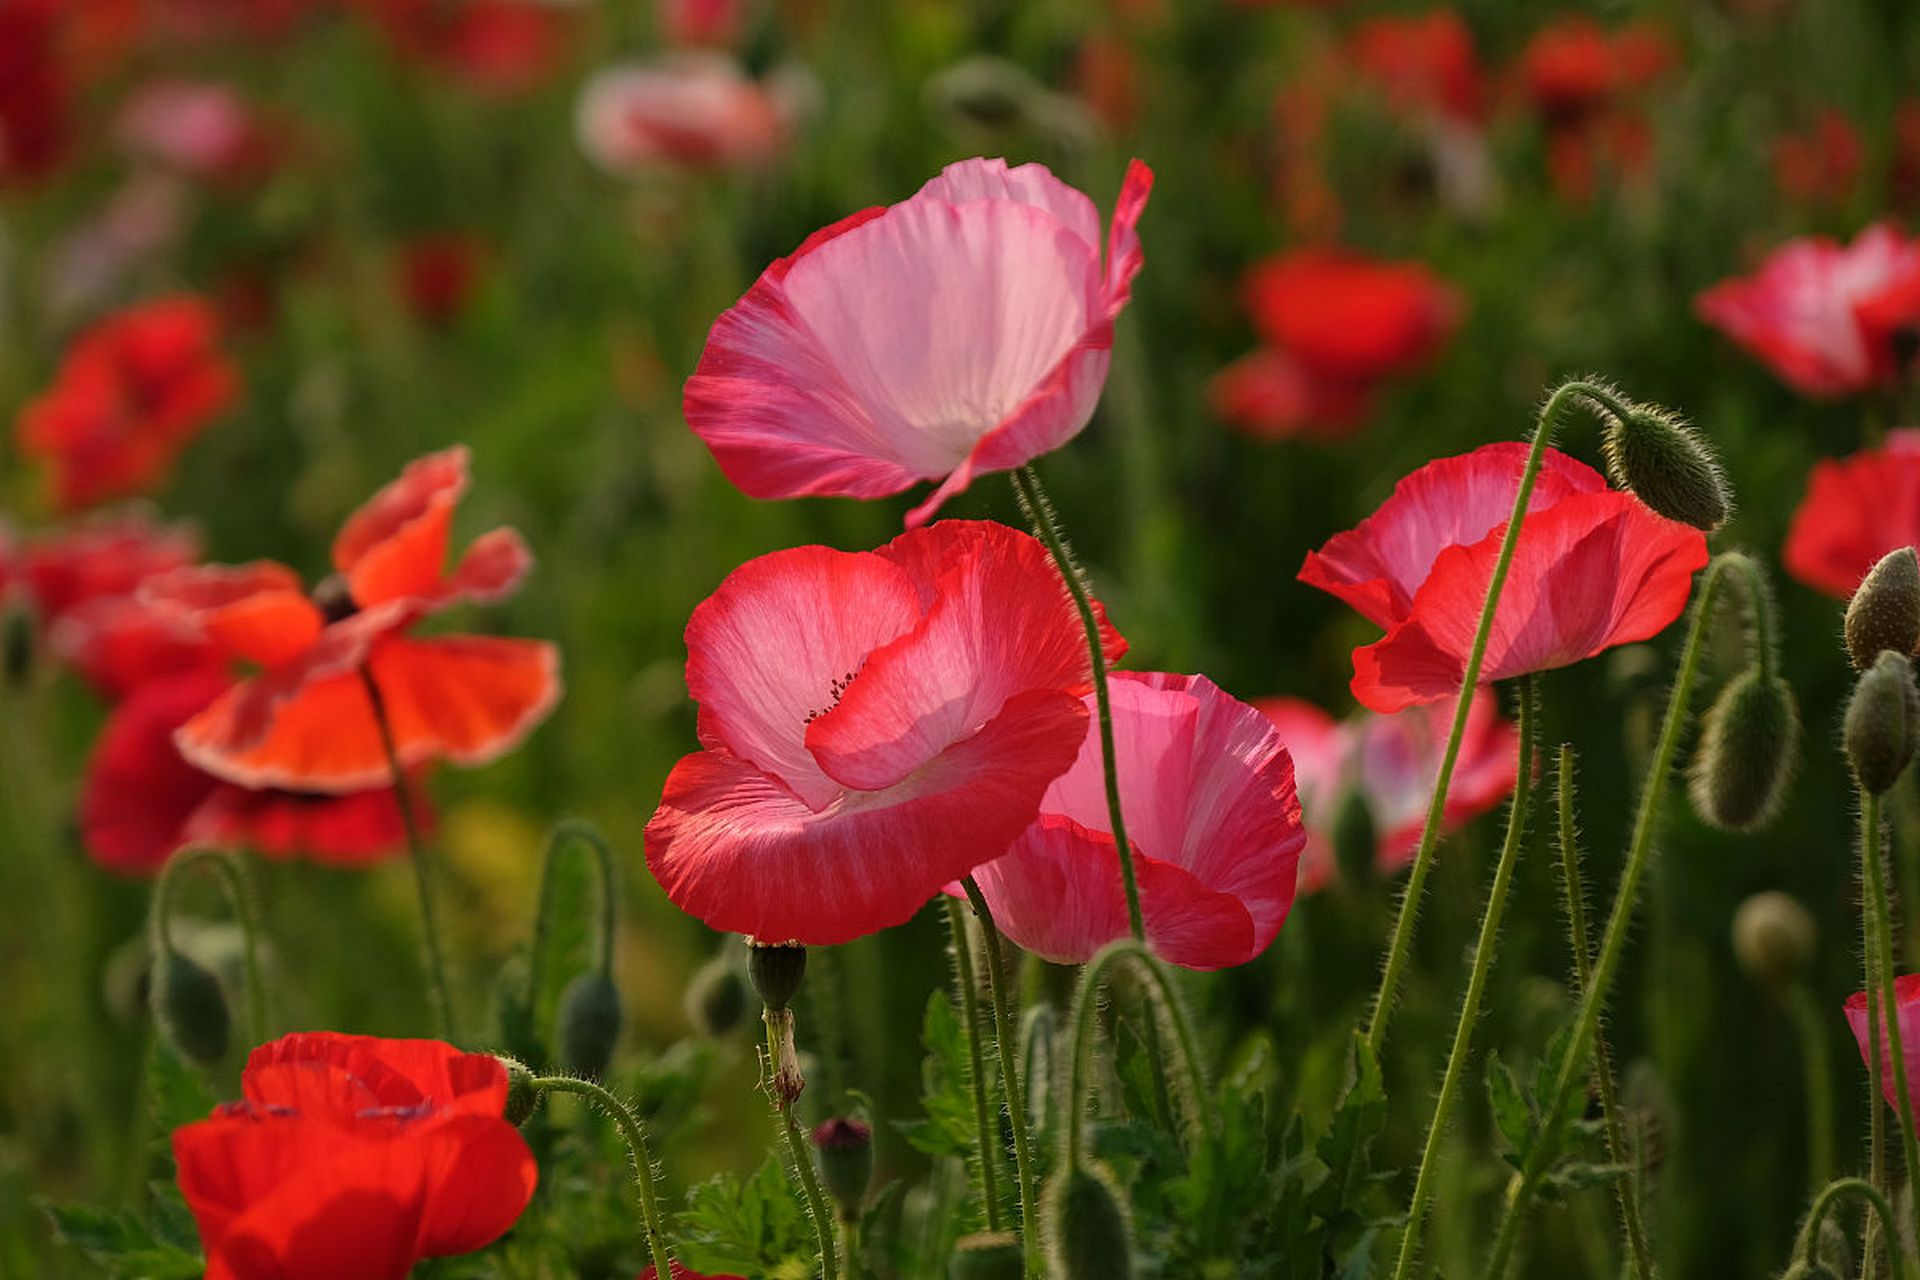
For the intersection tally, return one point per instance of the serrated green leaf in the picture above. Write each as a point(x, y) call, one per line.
point(751, 1227)
point(1512, 1113)
point(121, 1243)
point(177, 1094)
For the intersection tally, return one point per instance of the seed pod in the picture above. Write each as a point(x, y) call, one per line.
point(190, 1008)
point(522, 1098)
point(775, 969)
point(986, 1255)
point(589, 1024)
point(1882, 719)
point(1773, 939)
point(1669, 466)
point(1749, 744)
point(1355, 839)
point(716, 996)
point(1885, 610)
point(1088, 1236)
point(846, 1162)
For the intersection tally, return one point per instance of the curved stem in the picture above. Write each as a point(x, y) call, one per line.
point(238, 888)
point(796, 1144)
point(1896, 1051)
point(1046, 524)
point(991, 1152)
point(439, 995)
point(1613, 941)
point(1006, 1045)
point(580, 831)
point(1483, 950)
point(635, 1134)
point(1882, 1211)
point(1617, 1148)
point(1809, 1023)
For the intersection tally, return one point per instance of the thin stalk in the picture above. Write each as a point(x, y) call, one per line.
point(565, 832)
point(850, 1245)
point(991, 1152)
point(1879, 1211)
point(1618, 1150)
point(1876, 1124)
point(1400, 950)
point(439, 995)
point(1007, 1045)
point(817, 1209)
point(1483, 950)
point(635, 1134)
point(1046, 524)
point(238, 888)
point(1889, 1003)
point(1809, 1021)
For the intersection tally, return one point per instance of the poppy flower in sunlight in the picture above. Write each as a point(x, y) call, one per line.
point(1825, 317)
point(690, 110)
point(306, 722)
point(1422, 62)
point(35, 98)
point(876, 725)
point(1212, 816)
point(1856, 509)
point(1906, 996)
point(1272, 395)
point(1594, 568)
point(502, 47)
point(131, 393)
point(1351, 318)
point(1390, 761)
point(354, 1156)
point(964, 331)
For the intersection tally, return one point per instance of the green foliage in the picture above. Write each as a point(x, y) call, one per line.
point(125, 1247)
point(1578, 1161)
point(753, 1226)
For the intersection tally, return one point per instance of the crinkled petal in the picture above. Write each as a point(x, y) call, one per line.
point(395, 546)
point(257, 611)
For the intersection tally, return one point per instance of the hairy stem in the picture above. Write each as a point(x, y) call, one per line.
point(1007, 1046)
point(635, 1135)
point(991, 1152)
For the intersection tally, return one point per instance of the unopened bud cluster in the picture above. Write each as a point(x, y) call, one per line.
point(1883, 720)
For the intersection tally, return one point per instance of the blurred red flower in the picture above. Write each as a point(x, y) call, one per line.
point(1211, 813)
point(107, 554)
point(964, 331)
point(1828, 319)
point(876, 724)
point(1593, 568)
point(1273, 395)
point(354, 1156)
point(306, 721)
point(198, 127)
point(1423, 62)
point(1906, 1011)
point(35, 126)
point(1856, 509)
point(700, 22)
point(503, 47)
point(435, 274)
point(1583, 81)
point(1350, 317)
point(131, 393)
point(1821, 164)
point(690, 110)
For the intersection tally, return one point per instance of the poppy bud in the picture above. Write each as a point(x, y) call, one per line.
point(1882, 718)
point(775, 969)
point(1355, 838)
point(589, 1024)
point(1885, 610)
point(190, 1008)
point(522, 1098)
point(1088, 1237)
point(846, 1162)
point(1668, 465)
point(1749, 744)
point(1773, 939)
point(986, 1255)
point(987, 93)
point(716, 997)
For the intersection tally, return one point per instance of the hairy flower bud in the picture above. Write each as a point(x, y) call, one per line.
point(775, 969)
point(716, 996)
point(846, 1162)
point(1773, 939)
point(1883, 717)
point(190, 1008)
point(1669, 465)
point(986, 1255)
point(1749, 744)
point(1088, 1236)
point(522, 1098)
point(1885, 610)
point(1355, 838)
point(589, 1024)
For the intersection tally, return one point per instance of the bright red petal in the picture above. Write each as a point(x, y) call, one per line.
point(1856, 510)
point(395, 547)
point(139, 793)
point(257, 611)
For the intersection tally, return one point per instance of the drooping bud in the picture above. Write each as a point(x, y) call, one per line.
point(589, 1024)
point(522, 1098)
point(1088, 1236)
point(1773, 939)
point(1885, 610)
point(986, 1255)
point(1883, 717)
point(846, 1162)
point(1833, 1250)
point(1749, 745)
point(190, 1008)
point(716, 996)
point(1668, 465)
point(775, 969)
point(1355, 839)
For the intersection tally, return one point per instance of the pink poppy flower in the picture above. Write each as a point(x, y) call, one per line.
point(1801, 312)
point(876, 724)
point(1391, 761)
point(1593, 568)
point(1211, 813)
point(690, 110)
point(964, 331)
point(1856, 510)
point(1906, 996)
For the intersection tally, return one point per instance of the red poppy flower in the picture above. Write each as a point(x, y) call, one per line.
point(1821, 164)
point(101, 557)
point(354, 1156)
point(877, 724)
point(305, 722)
point(1821, 315)
point(130, 395)
point(117, 645)
point(1212, 816)
point(1271, 395)
point(495, 46)
point(964, 331)
point(1391, 762)
point(435, 274)
point(700, 22)
point(35, 106)
point(1351, 318)
point(1573, 68)
point(1593, 568)
point(1423, 63)
point(681, 1273)
point(1856, 510)
point(1906, 1008)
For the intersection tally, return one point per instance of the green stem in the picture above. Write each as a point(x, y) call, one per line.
point(1400, 950)
point(1617, 1147)
point(1896, 1052)
point(1876, 1124)
point(797, 1146)
point(1882, 1212)
point(850, 1245)
point(1483, 951)
point(238, 888)
point(1046, 524)
point(1613, 941)
point(439, 995)
point(580, 831)
point(1006, 1045)
point(991, 1152)
point(635, 1134)
point(1810, 1024)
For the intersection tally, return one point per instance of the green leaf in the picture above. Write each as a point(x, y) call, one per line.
point(946, 1092)
point(754, 1227)
point(121, 1243)
point(177, 1093)
point(1512, 1113)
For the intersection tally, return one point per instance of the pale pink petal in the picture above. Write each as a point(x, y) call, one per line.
point(1030, 184)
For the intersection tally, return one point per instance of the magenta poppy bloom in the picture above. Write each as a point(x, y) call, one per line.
point(1594, 568)
point(1906, 997)
point(1856, 510)
point(876, 724)
point(964, 331)
point(1822, 315)
point(1391, 761)
point(1212, 815)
